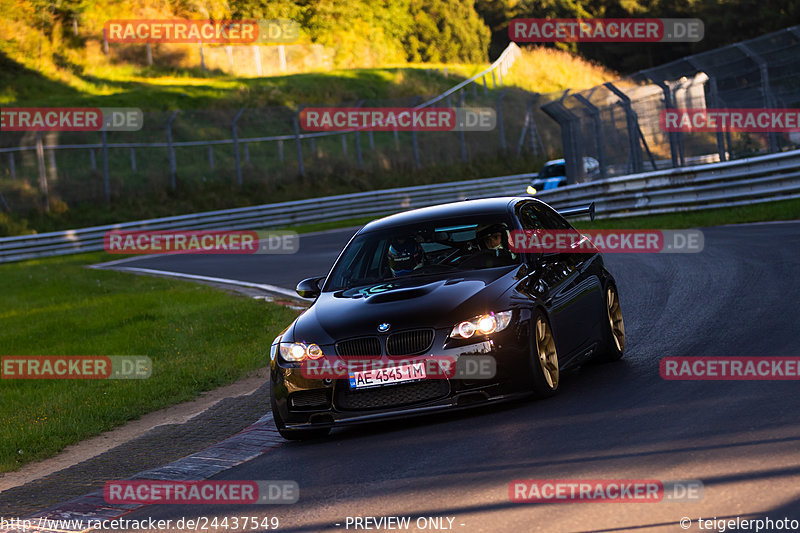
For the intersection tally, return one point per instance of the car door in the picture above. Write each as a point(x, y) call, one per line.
point(571, 291)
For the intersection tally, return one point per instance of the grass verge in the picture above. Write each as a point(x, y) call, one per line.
point(198, 338)
point(778, 210)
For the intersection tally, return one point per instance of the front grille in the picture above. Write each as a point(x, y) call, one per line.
point(391, 395)
point(414, 342)
point(309, 398)
point(360, 346)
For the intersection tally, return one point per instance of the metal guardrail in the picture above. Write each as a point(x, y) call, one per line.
point(740, 182)
point(745, 181)
point(330, 208)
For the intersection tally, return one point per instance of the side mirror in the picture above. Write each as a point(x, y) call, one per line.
point(309, 287)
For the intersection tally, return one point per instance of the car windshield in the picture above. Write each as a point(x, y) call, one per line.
point(552, 171)
point(435, 247)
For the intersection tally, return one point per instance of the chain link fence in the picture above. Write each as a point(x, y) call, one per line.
point(617, 124)
point(185, 149)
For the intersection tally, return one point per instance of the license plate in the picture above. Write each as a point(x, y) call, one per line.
point(387, 376)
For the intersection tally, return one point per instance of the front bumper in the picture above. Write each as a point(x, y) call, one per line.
point(302, 402)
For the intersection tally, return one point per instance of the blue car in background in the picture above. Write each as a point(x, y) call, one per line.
point(554, 174)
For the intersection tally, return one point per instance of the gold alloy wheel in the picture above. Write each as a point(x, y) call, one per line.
point(615, 318)
point(546, 350)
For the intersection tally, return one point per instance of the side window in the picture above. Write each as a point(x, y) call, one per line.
point(530, 219)
point(552, 219)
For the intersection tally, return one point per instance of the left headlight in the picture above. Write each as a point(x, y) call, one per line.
point(298, 351)
point(481, 325)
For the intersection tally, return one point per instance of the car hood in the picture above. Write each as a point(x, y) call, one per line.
point(411, 303)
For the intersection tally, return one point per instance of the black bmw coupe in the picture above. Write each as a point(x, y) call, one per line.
point(442, 283)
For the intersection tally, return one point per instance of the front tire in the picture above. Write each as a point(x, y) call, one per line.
point(544, 367)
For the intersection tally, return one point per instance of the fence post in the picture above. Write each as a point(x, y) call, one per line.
point(344, 143)
point(171, 150)
point(280, 150)
point(92, 159)
point(106, 180)
point(461, 137)
point(229, 53)
point(282, 57)
point(572, 150)
point(149, 55)
point(766, 92)
point(51, 156)
point(414, 144)
point(592, 110)
point(42, 176)
point(359, 157)
point(133, 160)
point(537, 146)
point(676, 157)
point(494, 80)
point(633, 128)
point(236, 155)
point(257, 57)
point(105, 42)
point(12, 165)
point(715, 101)
point(500, 128)
point(525, 126)
point(297, 144)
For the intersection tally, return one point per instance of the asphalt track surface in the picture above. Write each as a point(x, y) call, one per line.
point(739, 297)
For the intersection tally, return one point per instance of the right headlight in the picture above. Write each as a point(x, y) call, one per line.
point(482, 325)
point(299, 351)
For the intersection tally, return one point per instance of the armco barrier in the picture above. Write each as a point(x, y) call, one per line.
point(740, 182)
point(745, 181)
point(325, 209)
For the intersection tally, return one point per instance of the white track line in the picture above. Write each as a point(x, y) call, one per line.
point(263, 286)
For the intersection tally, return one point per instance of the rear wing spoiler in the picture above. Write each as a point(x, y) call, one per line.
point(579, 211)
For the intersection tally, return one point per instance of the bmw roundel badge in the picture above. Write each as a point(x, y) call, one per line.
point(384, 327)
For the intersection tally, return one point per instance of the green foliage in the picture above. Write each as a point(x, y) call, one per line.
point(725, 21)
point(447, 31)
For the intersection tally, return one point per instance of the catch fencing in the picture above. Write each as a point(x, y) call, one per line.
point(185, 149)
point(617, 124)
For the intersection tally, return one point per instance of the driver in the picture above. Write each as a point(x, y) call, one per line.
point(404, 256)
point(492, 238)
